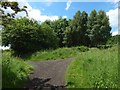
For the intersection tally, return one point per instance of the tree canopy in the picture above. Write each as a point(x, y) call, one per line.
point(27, 35)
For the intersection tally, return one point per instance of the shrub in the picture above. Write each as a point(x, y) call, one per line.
point(81, 48)
point(14, 71)
point(104, 46)
point(27, 36)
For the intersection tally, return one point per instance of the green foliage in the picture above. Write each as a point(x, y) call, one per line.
point(104, 46)
point(26, 35)
point(50, 39)
point(59, 27)
point(82, 48)
point(14, 71)
point(98, 28)
point(76, 32)
point(22, 34)
point(113, 40)
point(94, 69)
point(59, 53)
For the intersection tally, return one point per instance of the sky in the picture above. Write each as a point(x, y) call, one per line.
point(53, 9)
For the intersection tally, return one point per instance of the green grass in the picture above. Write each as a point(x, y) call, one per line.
point(14, 71)
point(94, 69)
point(59, 53)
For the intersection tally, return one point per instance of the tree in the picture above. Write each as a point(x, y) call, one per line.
point(7, 18)
point(84, 33)
point(50, 39)
point(23, 35)
point(92, 21)
point(104, 29)
point(76, 33)
point(58, 27)
point(27, 36)
point(98, 28)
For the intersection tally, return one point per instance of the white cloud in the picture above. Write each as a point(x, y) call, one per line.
point(32, 13)
point(64, 17)
point(115, 33)
point(8, 10)
point(36, 14)
point(4, 48)
point(68, 4)
point(113, 17)
point(114, 1)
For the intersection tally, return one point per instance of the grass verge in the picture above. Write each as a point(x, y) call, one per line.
point(94, 69)
point(14, 71)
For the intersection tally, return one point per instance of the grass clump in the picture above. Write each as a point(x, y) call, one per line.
point(94, 69)
point(14, 71)
point(59, 53)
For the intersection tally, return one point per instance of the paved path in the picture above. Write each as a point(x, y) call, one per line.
point(49, 74)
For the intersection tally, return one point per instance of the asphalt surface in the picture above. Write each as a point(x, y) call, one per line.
point(47, 74)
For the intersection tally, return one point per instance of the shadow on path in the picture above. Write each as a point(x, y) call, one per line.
point(41, 84)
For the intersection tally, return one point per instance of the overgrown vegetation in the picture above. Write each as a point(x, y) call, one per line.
point(14, 71)
point(94, 69)
point(59, 53)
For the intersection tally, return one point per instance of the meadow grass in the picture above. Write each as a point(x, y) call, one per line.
point(94, 69)
point(59, 53)
point(14, 71)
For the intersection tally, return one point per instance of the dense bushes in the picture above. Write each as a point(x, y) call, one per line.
point(26, 35)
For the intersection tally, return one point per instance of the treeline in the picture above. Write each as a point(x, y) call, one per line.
point(27, 35)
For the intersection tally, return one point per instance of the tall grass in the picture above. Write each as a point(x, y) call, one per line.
point(94, 69)
point(14, 71)
point(59, 53)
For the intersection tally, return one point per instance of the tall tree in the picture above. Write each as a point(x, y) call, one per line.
point(92, 21)
point(76, 33)
point(84, 34)
point(104, 28)
point(98, 28)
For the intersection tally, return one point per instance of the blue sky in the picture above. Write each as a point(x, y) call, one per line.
point(58, 8)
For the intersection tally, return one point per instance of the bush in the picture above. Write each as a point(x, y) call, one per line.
point(81, 48)
point(104, 46)
point(14, 71)
point(27, 36)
